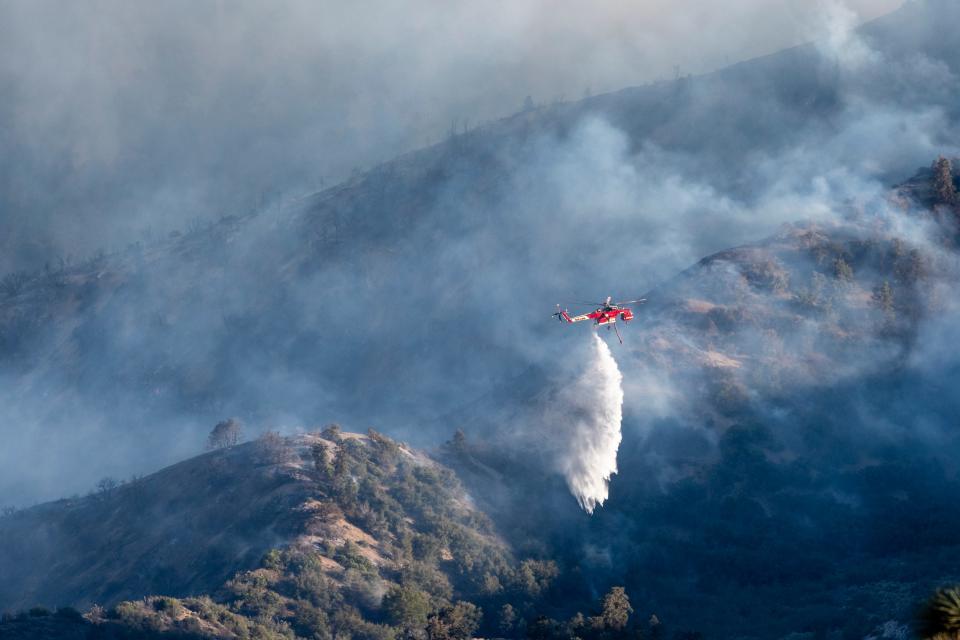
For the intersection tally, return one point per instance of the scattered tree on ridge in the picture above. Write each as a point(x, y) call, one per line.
point(944, 189)
point(225, 434)
point(883, 298)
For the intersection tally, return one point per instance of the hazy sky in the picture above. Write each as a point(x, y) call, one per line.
point(118, 118)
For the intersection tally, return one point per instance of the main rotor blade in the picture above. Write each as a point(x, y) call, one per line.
point(640, 301)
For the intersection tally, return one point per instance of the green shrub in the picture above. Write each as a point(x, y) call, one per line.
point(349, 556)
point(272, 560)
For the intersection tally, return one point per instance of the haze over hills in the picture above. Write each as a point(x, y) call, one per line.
point(789, 442)
point(364, 294)
point(186, 111)
point(785, 344)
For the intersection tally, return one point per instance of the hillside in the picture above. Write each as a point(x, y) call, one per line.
point(318, 534)
point(184, 529)
point(355, 501)
point(789, 440)
point(774, 348)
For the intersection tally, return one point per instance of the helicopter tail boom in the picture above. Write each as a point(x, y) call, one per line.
point(563, 316)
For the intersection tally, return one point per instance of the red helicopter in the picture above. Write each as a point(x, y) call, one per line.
point(607, 313)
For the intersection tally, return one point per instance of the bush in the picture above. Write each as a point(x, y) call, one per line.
point(169, 606)
point(273, 559)
point(349, 557)
point(129, 613)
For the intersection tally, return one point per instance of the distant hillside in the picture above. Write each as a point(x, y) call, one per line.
point(789, 436)
point(188, 528)
point(320, 536)
point(776, 347)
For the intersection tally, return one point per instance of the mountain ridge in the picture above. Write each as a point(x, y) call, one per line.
point(187, 528)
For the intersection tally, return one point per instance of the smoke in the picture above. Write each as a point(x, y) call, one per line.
point(586, 420)
point(117, 116)
point(252, 323)
point(837, 39)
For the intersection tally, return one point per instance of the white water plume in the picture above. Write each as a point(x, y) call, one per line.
point(588, 414)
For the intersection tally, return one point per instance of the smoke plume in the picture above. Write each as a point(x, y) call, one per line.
point(588, 414)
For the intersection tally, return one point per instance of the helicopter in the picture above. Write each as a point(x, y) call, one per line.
point(606, 314)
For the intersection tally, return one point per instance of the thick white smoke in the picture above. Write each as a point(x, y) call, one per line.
point(588, 414)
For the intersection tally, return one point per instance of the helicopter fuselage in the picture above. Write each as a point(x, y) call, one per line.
point(602, 316)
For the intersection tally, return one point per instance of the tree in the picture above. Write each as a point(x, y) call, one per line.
point(577, 627)
point(815, 297)
point(944, 189)
point(616, 610)
point(883, 298)
point(910, 267)
point(340, 462)
point(106, 486)
point(224, 434)
point(542, 628)
point(455, 622)
point(508, 619)
point(536, 576)
point(458, 444)
point(656, 627)
point(321, 461)
point(332, 432)
point(842, 270)
point(382, 442)
point(407, 606)
point(274, 448)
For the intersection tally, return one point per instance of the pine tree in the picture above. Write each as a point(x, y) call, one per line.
point(508, 619)
point(842, 270)
point(944, 189)
point(883, 299)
